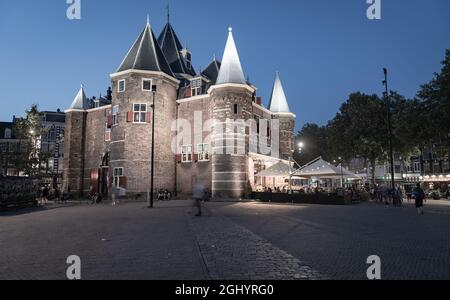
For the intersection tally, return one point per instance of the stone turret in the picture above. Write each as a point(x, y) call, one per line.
point(74, 143)
point(280, 109)
point(144, 70)
point(231, 100)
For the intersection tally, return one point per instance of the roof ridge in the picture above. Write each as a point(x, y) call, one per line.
point(178, 52)
point(140, 46)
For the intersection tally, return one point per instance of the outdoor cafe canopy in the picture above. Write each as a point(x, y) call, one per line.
point(323, 169)
point(280, 169)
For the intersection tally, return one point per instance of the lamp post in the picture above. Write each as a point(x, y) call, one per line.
point(300, 148)
point(152, 177)
point(388, 105)
point(342, 170)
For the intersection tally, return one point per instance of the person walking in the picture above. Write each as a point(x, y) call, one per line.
point(399, 196)
point(115, 195)
point(419, 196)
point(45, 193)
point(199, 195)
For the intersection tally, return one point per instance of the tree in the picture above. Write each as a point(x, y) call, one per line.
point(434, 99)
point(314, 138)
point(28, 157)
point(360, 130)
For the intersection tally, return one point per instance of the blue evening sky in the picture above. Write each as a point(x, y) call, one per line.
point(324, 49)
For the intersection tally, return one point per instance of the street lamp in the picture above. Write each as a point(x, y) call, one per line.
point(152, 177)
point(300, 149)
point(342, 169)
point(388, 105)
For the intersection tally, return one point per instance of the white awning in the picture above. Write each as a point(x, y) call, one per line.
point(280, 169)
point(323, 169)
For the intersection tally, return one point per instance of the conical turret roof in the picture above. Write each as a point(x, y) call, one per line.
point(146, 54)
point(278, 102)
point(80, 101)
point(231, 69)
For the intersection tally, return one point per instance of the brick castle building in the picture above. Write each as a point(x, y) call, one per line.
point(110, 144)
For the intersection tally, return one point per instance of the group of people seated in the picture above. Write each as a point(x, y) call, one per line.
point(164, 195)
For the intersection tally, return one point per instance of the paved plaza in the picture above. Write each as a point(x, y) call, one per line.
point(231, 241)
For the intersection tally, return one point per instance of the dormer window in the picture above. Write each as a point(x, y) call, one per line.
point(196, 87)
point(121, 86)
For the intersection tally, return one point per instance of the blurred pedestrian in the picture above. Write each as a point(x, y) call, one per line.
point(199, 195)
point(419, 196)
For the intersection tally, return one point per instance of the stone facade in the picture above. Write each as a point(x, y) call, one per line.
point(112, 144)
point(74, 150)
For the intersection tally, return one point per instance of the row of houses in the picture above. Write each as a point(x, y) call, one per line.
point(427, 168)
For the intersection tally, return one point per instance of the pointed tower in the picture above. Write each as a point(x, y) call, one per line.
point(178, 57)
point(80, 101)
point(231, 105)
point(231, 69)
point(278, 102)
point(146, 54)
point(280, 108)
point(142, 75)
point(74, 143)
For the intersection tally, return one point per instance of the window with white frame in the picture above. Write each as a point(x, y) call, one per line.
point(139, 113)
point(196, 87)
point(186, 153)
point(147, 85)
point(121, 86)
point(115, 115)
point(203, 152)
point(118, 173)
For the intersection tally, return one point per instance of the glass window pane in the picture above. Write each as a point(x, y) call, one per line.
point(136, 107)
point(143, 107)
point(147, 85)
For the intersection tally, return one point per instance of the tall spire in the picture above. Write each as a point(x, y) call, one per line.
point(231, 69)
point(80, 101)
point(278, 102)
point(168, 13)
point(146, 54)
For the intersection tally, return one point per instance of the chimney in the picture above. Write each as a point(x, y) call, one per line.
point(109, 94)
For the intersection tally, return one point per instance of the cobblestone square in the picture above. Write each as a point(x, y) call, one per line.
point(231, 241)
